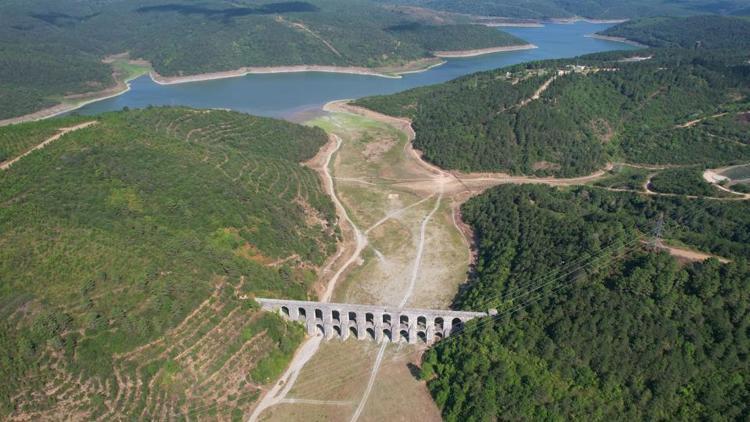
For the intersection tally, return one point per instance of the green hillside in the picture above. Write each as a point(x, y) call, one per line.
point(129, 255)
point(592, 323)
point(692, 32)
point(595, 9)
point(569, 117)
point(53, 48)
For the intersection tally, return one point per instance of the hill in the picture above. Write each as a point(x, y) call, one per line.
point(53, 49)
point(692, 32)
point(130, 251)
point(592, 323)
point(569, 117)
point(593, 9)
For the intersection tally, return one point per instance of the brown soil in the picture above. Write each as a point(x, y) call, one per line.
point(482, 51)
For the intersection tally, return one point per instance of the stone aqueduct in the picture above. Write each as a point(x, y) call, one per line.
point(378, 323)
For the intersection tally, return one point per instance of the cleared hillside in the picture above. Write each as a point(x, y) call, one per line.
point(130, 251)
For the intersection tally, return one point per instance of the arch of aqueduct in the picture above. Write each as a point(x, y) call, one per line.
point(378, 323)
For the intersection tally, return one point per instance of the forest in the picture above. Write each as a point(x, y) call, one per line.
point(130, 252)
point(569, 117)
point(592, 9)
point(704, 32)
point(52, 48)
point(593, 321)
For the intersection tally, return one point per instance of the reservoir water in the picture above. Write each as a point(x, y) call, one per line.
point(284, 95)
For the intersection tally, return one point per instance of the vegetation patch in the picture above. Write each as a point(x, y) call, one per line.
point(591, 321)
point(684, 181)
point(52, 49)
point(679, 107)
point(118, 255)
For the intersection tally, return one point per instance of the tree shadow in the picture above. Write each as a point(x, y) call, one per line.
point(414, 370)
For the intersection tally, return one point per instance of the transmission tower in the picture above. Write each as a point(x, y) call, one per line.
point(655, 242)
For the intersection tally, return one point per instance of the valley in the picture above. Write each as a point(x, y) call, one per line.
point(412, 250)
point(595, 207)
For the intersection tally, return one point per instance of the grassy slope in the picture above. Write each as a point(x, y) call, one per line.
point(112, 235)
point(50, 48)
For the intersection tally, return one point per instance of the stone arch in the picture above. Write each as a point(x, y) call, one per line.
point(285, 311)
point(386, 318)
point(369, 317)
point(353, 332)
point(422, 337)
point(320, 330)
point(456, 324)
point(422, 322)
point(403, 336)
point(302, 313)
point(403, 319)
point(337, 330)
point(318, 313)
point(336, 315)
point(387, 334)
point(352, 316)
point(371, 333)
point(439, 323)
point(438, 336)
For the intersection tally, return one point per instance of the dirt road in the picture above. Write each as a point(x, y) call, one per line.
point(63, 131)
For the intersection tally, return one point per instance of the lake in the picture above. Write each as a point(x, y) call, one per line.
point(290, 94)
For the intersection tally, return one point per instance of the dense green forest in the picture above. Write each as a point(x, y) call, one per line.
point(130, 252)
point(692, 32)
point(568, 117)
point(595, 9)
point(53, 48)
point(684, 181)
point(592, 323)
point(451, 37)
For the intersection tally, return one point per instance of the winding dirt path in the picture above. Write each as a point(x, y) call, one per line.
point(62, 132)
point(428, 183)
point(407, 296)
point(691, 255)
point(714, 177)
point(277, 394)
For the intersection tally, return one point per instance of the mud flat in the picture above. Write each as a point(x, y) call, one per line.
point(617, 39)
point(383, 72)
point(481, 51)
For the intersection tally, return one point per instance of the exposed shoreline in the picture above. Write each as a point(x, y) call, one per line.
point(482, 51)
point(617, 39)
point(122, 87)
point(575, 19)
point(416, 66)
point(499, 21)
point(47, 113)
